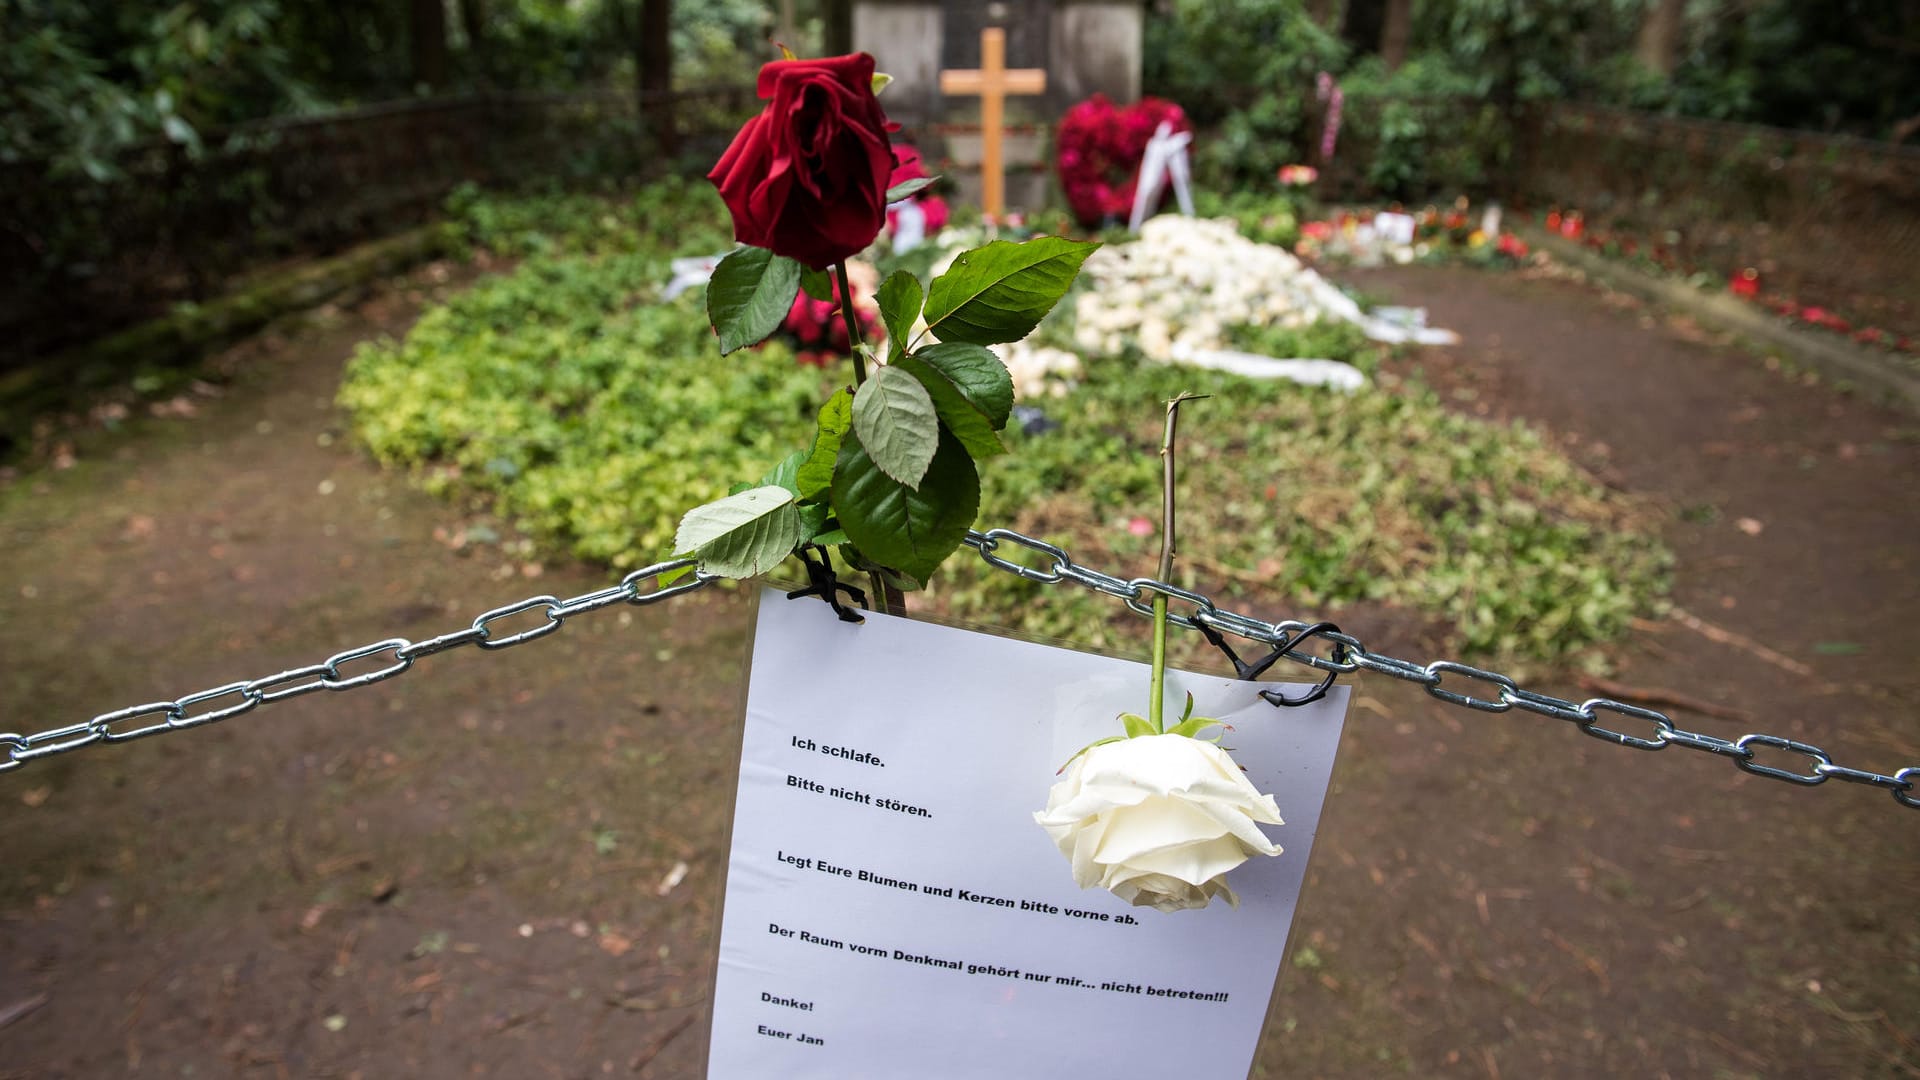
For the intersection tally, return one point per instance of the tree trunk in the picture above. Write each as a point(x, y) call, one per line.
point(1658, 46)
point(427, 41)
point(1396, 32)
point(787, 29)
point(1361, 25)
point(473, 19)
point(838, 16)
point(654, 53)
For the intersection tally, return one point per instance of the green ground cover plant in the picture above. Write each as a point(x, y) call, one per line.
point(565, 396)
point(1304, 501)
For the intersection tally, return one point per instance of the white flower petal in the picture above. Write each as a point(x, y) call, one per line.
point(1158, 820)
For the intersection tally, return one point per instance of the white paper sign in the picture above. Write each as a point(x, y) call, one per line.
point(892, 911)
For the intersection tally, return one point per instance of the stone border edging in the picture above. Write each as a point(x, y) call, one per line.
point(1841, 361)
point(181, 337)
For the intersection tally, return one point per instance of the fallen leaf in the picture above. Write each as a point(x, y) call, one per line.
point(1750, 526)
point(33, 797)
point(615, 944)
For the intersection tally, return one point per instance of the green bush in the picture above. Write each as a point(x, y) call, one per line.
point(1422, 129)
point(1301, 502)
point(673, 214)
point(1245, 70)
point(1265, 217)
point(566, 396)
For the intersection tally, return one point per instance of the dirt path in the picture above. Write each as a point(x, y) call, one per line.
point(471, 870)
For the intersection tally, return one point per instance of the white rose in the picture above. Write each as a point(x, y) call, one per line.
point(1158, 820)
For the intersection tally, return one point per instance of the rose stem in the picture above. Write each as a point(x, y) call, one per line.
point(892, 601)
point(853, 324)
point(1156, 705)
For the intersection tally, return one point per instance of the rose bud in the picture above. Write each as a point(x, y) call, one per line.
point(807, 178)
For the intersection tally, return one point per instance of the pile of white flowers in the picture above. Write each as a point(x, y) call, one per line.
point(1039, 370)
point(1174, 292)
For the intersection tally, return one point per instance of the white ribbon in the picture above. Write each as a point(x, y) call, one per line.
point(1165, 160)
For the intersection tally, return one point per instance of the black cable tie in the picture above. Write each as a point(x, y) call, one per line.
point(1246, 672)
point(823, 583)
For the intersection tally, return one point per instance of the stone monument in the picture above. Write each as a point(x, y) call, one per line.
point(1084, 46)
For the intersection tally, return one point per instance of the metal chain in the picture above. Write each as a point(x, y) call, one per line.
point(176, 715)
point(1347, 655)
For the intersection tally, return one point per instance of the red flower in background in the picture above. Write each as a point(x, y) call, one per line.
point(819, 326)
point(1745, 284)
point(807, 178)
point(1100, 148)
point(910, 167)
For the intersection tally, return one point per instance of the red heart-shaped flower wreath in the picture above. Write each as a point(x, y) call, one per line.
point(1100, 148)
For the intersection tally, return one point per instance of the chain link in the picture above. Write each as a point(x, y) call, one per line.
point(397, 653)
point(1001, 549)
point(1502, 692)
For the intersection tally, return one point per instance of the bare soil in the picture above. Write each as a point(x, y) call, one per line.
point(506, 864)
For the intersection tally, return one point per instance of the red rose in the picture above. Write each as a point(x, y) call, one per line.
point(807, 178)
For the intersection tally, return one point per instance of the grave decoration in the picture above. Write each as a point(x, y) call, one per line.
point(1100, 147)
point(1744, 284)
point(887, 900)
point(1160, 815)
point(1298, 177)
point(816, 324)
point(1394, 235)
point(889, 480)
point(1163, 167)
point(1327, 91)
point(910, 221)
point(992, 82)
point(1176, 294)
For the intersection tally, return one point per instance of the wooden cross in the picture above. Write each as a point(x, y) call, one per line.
point(992, 82)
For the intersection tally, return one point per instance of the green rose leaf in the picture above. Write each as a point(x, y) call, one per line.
point(1000, 292)
point(895, 420)
point(751, 291)
point(786, 474)
point(977, 373)
point(906, 189)
point(742, 535)
point(961, 416)
point(815, 476)
point(817, 283)
point(910, 530)
point(899, 298)
point(813, 520)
